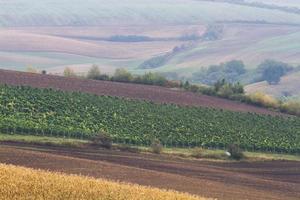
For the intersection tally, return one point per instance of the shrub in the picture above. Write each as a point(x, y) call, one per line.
point(197, 153)
point(262, 99)
point(103, 140)
point(122, 75)
point(194, 88)
point(68, 72)
point(235, 152)
point(94, 72)
point(129, 38)
point(31, 69)
point(155, 62)
point(292, 107)
point(156, 146)
point(272, 70)
point(225, 91)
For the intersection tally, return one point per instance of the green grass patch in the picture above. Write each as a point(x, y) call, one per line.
point(42, 140)
point(195, 153)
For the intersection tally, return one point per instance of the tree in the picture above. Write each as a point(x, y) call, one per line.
point(68, 72)
point(235, 67)
point(94, 72)
point(272, 71)
point(153, 79)
point(122, 75)
point(31, 69)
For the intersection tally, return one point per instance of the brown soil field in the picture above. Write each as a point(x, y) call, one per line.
point(133, 91)
point(272, 180)
point(20, 41)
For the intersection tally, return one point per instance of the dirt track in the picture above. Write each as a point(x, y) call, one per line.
point(223, 180)
point(133, 91)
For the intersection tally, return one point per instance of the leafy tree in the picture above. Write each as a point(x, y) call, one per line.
point(156, 146)
point(235, 66)
point(68, 72)
point(272, 71)
point(235, 152)
point(94, 72)
point(231, 71)
point(31, 69)
point(122, 75)
point(153, 79)
point(186, 85)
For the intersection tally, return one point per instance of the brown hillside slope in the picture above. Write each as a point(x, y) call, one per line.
point(132, 91)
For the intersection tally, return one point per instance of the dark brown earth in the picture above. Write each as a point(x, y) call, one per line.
point(272, 180)
point(133, 91)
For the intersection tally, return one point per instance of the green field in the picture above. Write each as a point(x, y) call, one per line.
point(25, 110)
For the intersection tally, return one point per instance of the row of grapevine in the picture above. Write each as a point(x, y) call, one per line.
point(26, 110)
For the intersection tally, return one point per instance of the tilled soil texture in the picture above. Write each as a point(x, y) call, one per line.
point(272, 180)
point(133, 91)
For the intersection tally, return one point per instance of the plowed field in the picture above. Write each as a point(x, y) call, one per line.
point(272, 180)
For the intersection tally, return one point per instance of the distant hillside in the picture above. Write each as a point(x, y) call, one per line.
point(102, 12)
point(289, 86)
point(126, 90)
point(53, 34)
point(283, 3)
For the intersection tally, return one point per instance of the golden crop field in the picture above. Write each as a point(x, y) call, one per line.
point(24, 183)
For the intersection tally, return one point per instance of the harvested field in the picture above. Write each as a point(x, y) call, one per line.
point(223, 180)
point(133, 91)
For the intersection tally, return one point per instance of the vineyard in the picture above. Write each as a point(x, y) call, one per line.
point(26, 110)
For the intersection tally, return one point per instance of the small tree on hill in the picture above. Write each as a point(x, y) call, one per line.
point(235, 152)
point(68, 72)
point(272, 71)
point(102, 139)
point(122, 75)
point(31, 69)
point(94, 72)
point(156, 146)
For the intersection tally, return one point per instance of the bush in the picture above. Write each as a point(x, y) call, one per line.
point(235, 152)
point(68, 72)
point(155, 62)
point(272, 70)
point(292, 107)
point(198, 153)
point(262, 99)
point(129, 38)
point(102, 140)
point(122, 75)
point(156, 146)
point(94, 72)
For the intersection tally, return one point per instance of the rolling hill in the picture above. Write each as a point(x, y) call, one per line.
point(288, 87)
point(126, 90)
point(54, 34)
point(101, 12)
